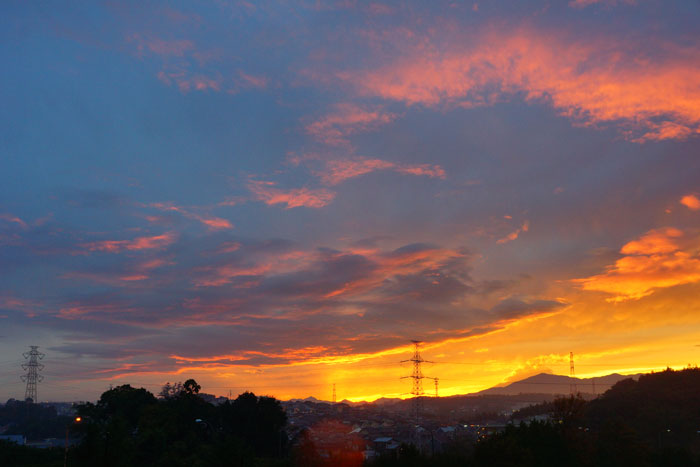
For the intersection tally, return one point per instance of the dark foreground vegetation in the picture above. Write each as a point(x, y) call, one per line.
point(654, 421)
point(129, 427)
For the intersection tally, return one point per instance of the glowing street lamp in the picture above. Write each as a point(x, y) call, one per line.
point(65, 451)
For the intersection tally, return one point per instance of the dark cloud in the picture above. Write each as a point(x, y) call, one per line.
point(326, 299)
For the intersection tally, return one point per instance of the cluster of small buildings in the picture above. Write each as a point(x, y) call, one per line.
point(341, 430)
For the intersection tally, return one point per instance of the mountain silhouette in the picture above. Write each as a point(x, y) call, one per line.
point(546, 383)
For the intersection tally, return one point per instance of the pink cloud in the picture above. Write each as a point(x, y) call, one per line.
point(294, 198)
point(216, 223)
point(186, 82)
point(213, 223)
point(594, 82)
point(163, 48)
point(585, 3)
point(28, 307)
point(385, 265)
point(79, 311)
point(347, 119)
point(395, 264)
point(134, 273)
point(253, 81)
point(380, 9)
point(14, 219)
point(176, 48)
point(433, 171)
point(265, 263)
point(140, 243)
point(339, 170)
point(229, 247)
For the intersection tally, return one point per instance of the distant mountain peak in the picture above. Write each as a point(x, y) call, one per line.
point(549, 383)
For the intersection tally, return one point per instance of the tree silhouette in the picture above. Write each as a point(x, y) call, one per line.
point(131, 427)
point(191, 387)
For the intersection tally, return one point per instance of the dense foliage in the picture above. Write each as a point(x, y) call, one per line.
point(131, 427)
point(22, 456)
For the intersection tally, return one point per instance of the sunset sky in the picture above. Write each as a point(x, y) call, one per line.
point(278, 196)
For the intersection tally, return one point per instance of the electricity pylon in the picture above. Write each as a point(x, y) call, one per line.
point(417, 377)
point(32, 367)
point(572, 383)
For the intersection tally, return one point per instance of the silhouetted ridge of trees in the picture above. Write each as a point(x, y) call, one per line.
point(663, 408)
point(131, 427)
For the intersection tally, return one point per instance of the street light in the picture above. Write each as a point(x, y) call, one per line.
point(65, 452)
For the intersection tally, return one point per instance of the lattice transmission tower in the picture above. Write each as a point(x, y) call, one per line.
point(334, 393)
point(32, 367)
point(572, 382)
point(417, 377)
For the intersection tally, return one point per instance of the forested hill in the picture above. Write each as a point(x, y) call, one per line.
point(660, 406)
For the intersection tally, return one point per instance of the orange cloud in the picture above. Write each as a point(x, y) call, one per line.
point(140, 243)
point(294, 198)
point(333, 129)
point(691, 202)
point(339, 170)
point(594, 82)
point(653, 242)
point(656, 260)
point(514, 234)
point(424, 169)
